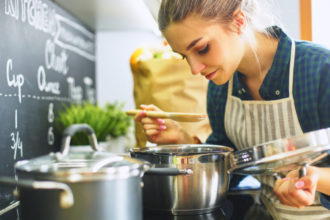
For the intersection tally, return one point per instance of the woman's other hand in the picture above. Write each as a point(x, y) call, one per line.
point(162, 131)
point(295, 191)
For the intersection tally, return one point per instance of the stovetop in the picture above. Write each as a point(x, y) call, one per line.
point(215, 215)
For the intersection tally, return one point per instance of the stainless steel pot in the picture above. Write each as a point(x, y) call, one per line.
point(193, 179)
point(75, 185)
point(185, 179)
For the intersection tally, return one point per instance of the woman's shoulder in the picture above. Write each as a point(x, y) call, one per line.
point(312, 59)
point(309, 51)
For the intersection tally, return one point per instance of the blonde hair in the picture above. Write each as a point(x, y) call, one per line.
point(256, 13)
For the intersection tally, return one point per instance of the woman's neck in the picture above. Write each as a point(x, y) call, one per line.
point(257, 61)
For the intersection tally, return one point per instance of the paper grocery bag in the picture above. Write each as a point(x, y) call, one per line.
point(169, 84)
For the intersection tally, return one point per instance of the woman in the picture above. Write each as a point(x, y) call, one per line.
point(263, 85)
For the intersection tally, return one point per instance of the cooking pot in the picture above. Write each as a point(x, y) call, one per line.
point(77, 185)
point(193, 179)
point(185, 179)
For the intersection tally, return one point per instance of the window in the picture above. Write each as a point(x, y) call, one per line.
point(320, 22)
point(313, 24)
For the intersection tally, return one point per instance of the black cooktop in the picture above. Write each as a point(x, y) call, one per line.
point(215, 215)
point(236, 207)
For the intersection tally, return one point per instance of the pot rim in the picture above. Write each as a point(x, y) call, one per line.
point(182, 149)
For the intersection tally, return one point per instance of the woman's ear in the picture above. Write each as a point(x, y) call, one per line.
point(239, 21)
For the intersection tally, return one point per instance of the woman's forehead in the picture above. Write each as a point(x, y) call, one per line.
point(179, 37)
point(180, 34)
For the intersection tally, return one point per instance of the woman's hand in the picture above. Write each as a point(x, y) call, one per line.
point(162, 131)
point(295, 191)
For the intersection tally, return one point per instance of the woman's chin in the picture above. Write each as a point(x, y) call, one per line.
point(219, 81)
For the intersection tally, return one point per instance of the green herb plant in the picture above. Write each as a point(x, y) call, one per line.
point(110, 120)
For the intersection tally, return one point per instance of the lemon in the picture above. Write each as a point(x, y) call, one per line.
point(135, 56)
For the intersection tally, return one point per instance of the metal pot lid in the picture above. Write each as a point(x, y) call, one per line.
point(82, 166)
point(73, 166)
point(282, 155)
point(181, 149)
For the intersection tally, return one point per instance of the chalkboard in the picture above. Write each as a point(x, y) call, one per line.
point(47, 58)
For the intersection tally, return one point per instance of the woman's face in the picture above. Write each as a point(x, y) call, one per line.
point(211, 49)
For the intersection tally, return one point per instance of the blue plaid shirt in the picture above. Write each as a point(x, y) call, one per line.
point(310, 87)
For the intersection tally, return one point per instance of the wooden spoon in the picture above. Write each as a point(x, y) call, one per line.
point(177, 116)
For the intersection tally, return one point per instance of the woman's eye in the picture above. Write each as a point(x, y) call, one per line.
point(204, 50)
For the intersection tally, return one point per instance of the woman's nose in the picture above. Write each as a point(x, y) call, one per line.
point(196, 66)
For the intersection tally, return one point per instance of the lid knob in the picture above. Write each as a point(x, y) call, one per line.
point(69, 132)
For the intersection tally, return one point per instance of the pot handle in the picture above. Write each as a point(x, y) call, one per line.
point(66, 196)
point(168, 172)
point(70, 131)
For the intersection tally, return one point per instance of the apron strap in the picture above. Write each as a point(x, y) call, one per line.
point(293, 50)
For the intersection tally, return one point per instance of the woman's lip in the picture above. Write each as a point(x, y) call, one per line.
point(210, 75)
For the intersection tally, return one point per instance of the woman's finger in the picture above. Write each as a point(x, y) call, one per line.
point(156, 121)
point(278, 189)
point(150, 108)
point(152, 132)
point(290, 193)
point(297, 197)
point(278, 183)
point(306, 188)
point(303, 197)
point(148, 120)
point(154, 126)
point(140, 116)
point(282, 191)
point(285, 191)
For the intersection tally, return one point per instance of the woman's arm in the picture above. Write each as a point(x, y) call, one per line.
point(323, 183)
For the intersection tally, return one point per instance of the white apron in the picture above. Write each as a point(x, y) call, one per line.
point(252, 122)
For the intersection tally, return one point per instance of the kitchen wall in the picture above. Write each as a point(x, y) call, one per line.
point(114, 47)
point(113, 73)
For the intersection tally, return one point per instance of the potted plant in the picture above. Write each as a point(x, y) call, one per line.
point(110, 123)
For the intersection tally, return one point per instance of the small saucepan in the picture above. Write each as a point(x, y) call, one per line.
point(184, 179)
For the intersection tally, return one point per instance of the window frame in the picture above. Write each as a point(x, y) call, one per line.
point(306, 20)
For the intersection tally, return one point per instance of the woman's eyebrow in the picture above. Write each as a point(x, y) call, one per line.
point(193, 43)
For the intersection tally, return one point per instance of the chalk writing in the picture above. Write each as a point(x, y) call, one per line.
point(56, 62)
point(43, 85)
point(90, 91)
point(14, 80)
point(45, 55)
point(51, 136)
point(51, 113)
point(12, 8)
point(35, 12)
point(75, 37)
point(75, 92)
point(17, 144)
